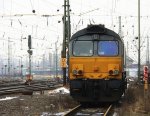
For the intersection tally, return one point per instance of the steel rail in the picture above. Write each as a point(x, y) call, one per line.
point(77, 108)
point(70, 112)
point(105, 114)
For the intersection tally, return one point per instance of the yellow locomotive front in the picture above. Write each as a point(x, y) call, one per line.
point(96, 58)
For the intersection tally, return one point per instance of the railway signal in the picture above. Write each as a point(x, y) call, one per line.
point(145, 72)
point(145, 77)
point(30, 52)
point(29, 41)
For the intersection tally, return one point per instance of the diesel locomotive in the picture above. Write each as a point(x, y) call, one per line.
point(96, 65)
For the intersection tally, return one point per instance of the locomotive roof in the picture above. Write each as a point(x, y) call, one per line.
point(95, 29)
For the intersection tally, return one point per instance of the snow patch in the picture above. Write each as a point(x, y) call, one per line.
point(131, 80)
point(61, 90)
point(53, 114)
point(7, 98)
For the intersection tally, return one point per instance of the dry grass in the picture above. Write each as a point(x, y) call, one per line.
point(136, 102)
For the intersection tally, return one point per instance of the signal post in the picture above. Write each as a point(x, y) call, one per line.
point(29, 77)
point(145, 78)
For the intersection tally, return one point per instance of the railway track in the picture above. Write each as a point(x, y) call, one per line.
point(12, 83)
point(95, 111)
point(23, 88)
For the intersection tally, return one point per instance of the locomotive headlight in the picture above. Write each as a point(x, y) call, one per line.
point(80, 72)
point(74, 72)
point(110, 72)
point(116, 72)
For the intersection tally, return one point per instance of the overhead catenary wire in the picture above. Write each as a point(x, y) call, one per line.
point(85, 17)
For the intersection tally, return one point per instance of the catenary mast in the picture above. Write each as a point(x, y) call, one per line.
point(66, 37)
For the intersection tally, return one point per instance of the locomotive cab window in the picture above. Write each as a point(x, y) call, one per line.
point(108, 48)
point(82, 48)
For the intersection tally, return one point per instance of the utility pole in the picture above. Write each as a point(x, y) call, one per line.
point(43, 63)
point(2, 71)
point(120, 31)
point(125, 52)
point(21, 68)
point(5, 69)
point(56, 65)
point(139, 43)
point(66, 37)
point(8, 57)
point(50, 61)
point(127, 56)
point(147, 51)
point(30, 54)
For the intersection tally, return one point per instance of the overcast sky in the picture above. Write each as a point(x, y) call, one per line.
point(46, 31)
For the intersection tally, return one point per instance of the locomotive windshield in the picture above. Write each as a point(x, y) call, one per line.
point(108, 48)
point(82, 48)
